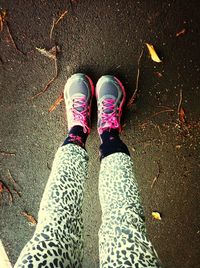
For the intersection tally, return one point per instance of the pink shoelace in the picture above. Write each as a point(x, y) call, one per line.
point(109, 120)
point(80, 116)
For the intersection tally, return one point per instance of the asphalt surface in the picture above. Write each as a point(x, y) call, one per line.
point(101, 37)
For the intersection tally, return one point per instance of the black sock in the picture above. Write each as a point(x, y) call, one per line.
point(111, 143)
point(76, 136)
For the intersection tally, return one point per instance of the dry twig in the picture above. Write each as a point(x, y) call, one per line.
point(182, 32)
point(13, 181)
point(55, 22)
point(7, 189)
point(134, 96)
point(11, 38)
point(55, 51)
point(163, 111)
point(157, 176)
point(56, 103)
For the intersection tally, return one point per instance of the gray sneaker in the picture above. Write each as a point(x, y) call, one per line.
point(111, 96)
point(78, 94)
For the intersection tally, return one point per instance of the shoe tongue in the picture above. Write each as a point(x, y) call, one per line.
point(79, 95)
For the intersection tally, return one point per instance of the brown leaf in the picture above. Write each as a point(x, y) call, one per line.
point(1, 187)
point(56, 103)
point(29, 217)
point(182, 32)
point(182, 115)
point(152, 52)
point(2, 19)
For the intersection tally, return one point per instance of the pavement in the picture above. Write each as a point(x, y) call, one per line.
point(105, 37)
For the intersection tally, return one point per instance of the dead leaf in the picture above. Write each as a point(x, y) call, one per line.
point(1, 187)
point(153, 54)
point(29, 218)
point(51, 54)
point(182, 32)
point(2, 19)
point(182, 115)
point(178, 146)
point(56, 103)
point(156, 215)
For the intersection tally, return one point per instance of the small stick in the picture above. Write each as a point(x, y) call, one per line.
point(180, 102)
point(52, 28)
point(55, 22)
point(7, 153)
point(164, 111)
point(3, 185)
point(156, 177)
point(61, 17)
point(56, 103)
point(133, 98)
point(11, 38)
point(49, 83)
point(13, 181)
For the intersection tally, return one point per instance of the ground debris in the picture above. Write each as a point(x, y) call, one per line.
point(134, 96)
point(55, 22)
point(29, 218)
point(7, 153)
point(182, 32)
point(15, 185)
point(156, 215)
point(52, 54)
point(2, 19)
point(56, 103)
point(158, 74)
point(4, 187)
point(157, 176)
point(4, 22)
point(153, 54)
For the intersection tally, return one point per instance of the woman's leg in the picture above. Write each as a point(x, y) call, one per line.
point(122, 235)
point(58, 241)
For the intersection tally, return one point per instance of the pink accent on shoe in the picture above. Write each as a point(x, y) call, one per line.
point(109, 120)
point(80, 117)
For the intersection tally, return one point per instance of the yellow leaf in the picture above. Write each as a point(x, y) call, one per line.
point(153, 53)
point(156, 215)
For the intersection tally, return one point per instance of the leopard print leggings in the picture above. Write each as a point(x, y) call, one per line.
point(58, 238)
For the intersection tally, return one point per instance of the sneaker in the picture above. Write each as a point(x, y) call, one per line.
point(78, 94)
point(111, 96)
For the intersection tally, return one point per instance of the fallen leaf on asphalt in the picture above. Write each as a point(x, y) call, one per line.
point(1, 187)
point(178, 146)
point(182, 32)
point(153, 54)
point(2, 19)
point(156, 215)
point(182, 115)
point(56, 103)
point(29, 218)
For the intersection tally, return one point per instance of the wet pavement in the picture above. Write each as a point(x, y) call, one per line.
point(101, 37)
